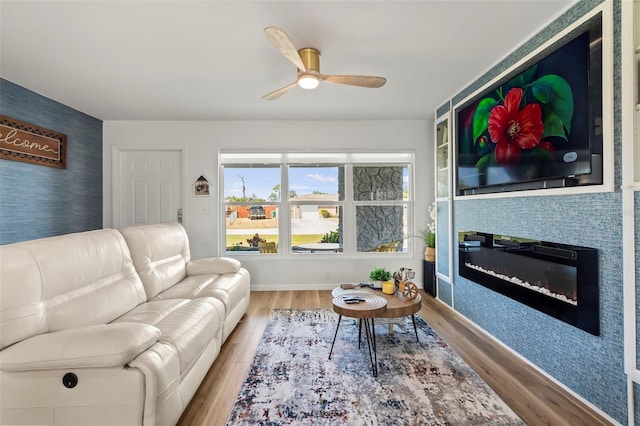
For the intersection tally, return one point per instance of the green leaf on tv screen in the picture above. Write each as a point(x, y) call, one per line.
point(554, 91)
point(552, 124)
point(481, 117)
point(483, 162)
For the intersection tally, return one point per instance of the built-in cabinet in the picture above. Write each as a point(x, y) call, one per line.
point(443, 190)
point(631, 198)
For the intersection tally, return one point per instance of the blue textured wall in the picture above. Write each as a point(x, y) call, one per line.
point(590, 365)
point(38, 201)
point(442, 237)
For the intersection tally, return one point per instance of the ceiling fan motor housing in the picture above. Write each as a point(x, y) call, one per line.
point(310, 58)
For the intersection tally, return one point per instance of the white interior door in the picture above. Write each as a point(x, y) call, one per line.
point(147, 187)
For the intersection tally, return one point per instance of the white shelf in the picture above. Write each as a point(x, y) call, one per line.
point(443, 145)
point(443, 169)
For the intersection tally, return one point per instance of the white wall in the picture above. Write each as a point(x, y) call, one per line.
point(202, 142)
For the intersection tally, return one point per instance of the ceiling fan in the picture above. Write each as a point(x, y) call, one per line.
point(307, 60)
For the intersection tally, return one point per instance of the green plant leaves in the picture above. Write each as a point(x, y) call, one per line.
point(331, 237)
point(379, 274)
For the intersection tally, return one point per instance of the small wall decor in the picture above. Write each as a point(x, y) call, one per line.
point(28, 143)
point(201, 187)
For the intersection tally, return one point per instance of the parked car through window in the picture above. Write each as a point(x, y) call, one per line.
point(257, 212)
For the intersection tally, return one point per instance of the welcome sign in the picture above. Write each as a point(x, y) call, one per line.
point(20, 141)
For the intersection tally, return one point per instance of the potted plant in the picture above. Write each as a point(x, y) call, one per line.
point(378, 275)
point(429, 236)
point(256, 240)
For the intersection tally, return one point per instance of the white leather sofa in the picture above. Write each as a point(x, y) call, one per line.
point(111, 327)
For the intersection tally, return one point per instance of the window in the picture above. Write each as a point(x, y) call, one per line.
point(316, 199)
point(320, 204)
point(251, 196)
point(380, 195)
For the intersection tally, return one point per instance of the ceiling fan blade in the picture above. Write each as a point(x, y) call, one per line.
point(277, 93)
point(355, 80)
point(283, 43)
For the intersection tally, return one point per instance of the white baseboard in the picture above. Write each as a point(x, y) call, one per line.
point(296, 287)
point(293, 287)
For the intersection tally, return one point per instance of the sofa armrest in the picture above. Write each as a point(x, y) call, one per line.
point(213, 265)
point(104, 345)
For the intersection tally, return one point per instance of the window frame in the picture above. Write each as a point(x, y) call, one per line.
point(348, 205)
point(408, 204)
point(224, 203)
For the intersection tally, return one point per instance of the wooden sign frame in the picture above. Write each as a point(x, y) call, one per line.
point(28, 143)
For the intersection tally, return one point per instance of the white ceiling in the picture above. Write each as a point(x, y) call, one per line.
point(209, 60)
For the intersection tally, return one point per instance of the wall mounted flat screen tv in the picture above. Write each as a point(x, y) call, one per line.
point(538, 128)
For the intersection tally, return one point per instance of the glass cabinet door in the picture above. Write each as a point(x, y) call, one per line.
point(442, 159)
point(443, 205)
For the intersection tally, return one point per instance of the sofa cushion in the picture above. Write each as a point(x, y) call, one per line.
point(160, 253)
point(106, 345)
point(213, 265)
point(57, 283)
point(187, 325)
point(228, 288)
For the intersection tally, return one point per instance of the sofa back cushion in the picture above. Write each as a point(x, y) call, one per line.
point(160, 253)
point(64, 282)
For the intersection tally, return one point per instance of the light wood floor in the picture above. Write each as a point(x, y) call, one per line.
point(536, 399)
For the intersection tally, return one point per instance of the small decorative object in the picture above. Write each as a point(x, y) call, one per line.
point(410, 291)
point(388, 287)
point(402, 279)
point(377, 275)
point(201, 186)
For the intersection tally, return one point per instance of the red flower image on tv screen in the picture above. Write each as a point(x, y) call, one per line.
point(513, 128)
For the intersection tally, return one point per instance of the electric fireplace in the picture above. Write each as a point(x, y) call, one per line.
point(560, 280)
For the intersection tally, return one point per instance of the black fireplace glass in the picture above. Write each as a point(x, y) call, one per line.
point(560, 280)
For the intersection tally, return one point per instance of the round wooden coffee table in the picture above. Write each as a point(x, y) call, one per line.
point(397, 305)
point(371, 306)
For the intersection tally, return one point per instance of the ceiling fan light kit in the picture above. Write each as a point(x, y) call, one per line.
point(307, 61)
point(308, 81)
point(308, 77)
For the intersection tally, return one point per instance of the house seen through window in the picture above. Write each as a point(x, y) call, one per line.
point(328, 204)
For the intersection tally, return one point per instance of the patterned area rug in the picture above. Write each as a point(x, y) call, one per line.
point(292, 381)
